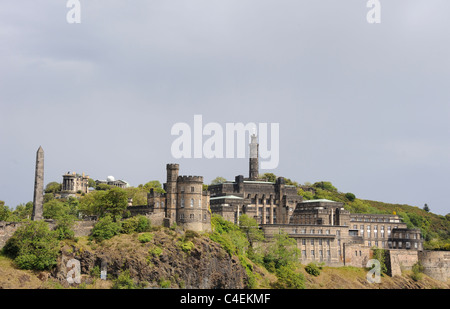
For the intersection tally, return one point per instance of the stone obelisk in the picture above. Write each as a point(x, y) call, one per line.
point(38, 199)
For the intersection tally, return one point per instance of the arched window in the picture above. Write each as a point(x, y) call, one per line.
point(182, 202)
point(192, 202)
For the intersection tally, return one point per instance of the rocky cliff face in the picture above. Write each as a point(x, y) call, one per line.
point(194, 262)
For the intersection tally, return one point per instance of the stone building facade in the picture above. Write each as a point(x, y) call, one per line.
point(325, 231)
point(268, 202)
point(184, 202)
point(113, 182)
point(73, 183)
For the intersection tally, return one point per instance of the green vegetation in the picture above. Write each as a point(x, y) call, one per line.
point(105, 228)
point(280, 256)
point(380, 255)
point(33, 246)
point(146, 237)
point(136, 224)
point(124, 281)
point(218, 180)
point(417, 271)
point(312, 269)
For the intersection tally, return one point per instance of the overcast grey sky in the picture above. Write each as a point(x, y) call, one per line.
point(365, 106)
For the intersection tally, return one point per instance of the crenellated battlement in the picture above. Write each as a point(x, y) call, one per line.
point(173, 166)
point(190, 179)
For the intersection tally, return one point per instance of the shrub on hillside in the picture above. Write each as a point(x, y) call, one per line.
point(33, 246)
point(105, 228)
point(137, 224)
point(312, 269)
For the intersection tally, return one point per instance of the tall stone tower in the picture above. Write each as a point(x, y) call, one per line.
point(171, 189)
point(38, 199)
point(254, 163)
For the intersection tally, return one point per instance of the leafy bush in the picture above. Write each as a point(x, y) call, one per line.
point(105, 228)
point(380, 255)
point(64, 227)
point(124, 281)
point(137, 224)
point(325, 185)
point(33, 246)
point(350, 196)
point(288, 278)
point(95, 271)
point(312, 269)
point(281, 252)
point(155, 251)
point(417, 270)
point(164, 284)
point(146, 237)
point(186, 246)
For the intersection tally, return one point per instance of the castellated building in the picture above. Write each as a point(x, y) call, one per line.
point(324, 230)
point(184, 202)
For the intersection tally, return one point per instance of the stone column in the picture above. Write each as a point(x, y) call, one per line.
point(264, 209)
point(257, 208)
point(271, 210)
point(38, 199)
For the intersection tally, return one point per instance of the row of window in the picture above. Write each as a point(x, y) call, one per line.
point(192, 217)
point(313, 231)
point(319, 241)
point(374, 219)
point(182, 203)
point(312, 254)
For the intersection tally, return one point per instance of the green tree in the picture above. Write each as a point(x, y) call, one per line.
point(218, 180)
point(137, 224)
point(155, 185)
point(52, 187)
point(250, 228)
point(281, 252)
point(91, 204)
point(115, 202)
point(325, 185)
point(33, 246)
point(350, 196)
point(55, 209)
point(5, 212)
point(105, 228)
point(23, 211)
point(269, 177)
point(92, 183)
point(103, 187)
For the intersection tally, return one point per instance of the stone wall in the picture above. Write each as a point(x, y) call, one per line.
point(398, 260)
point(83, 228)
point(436, 264)
point(357, 255)
point(7, 229)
